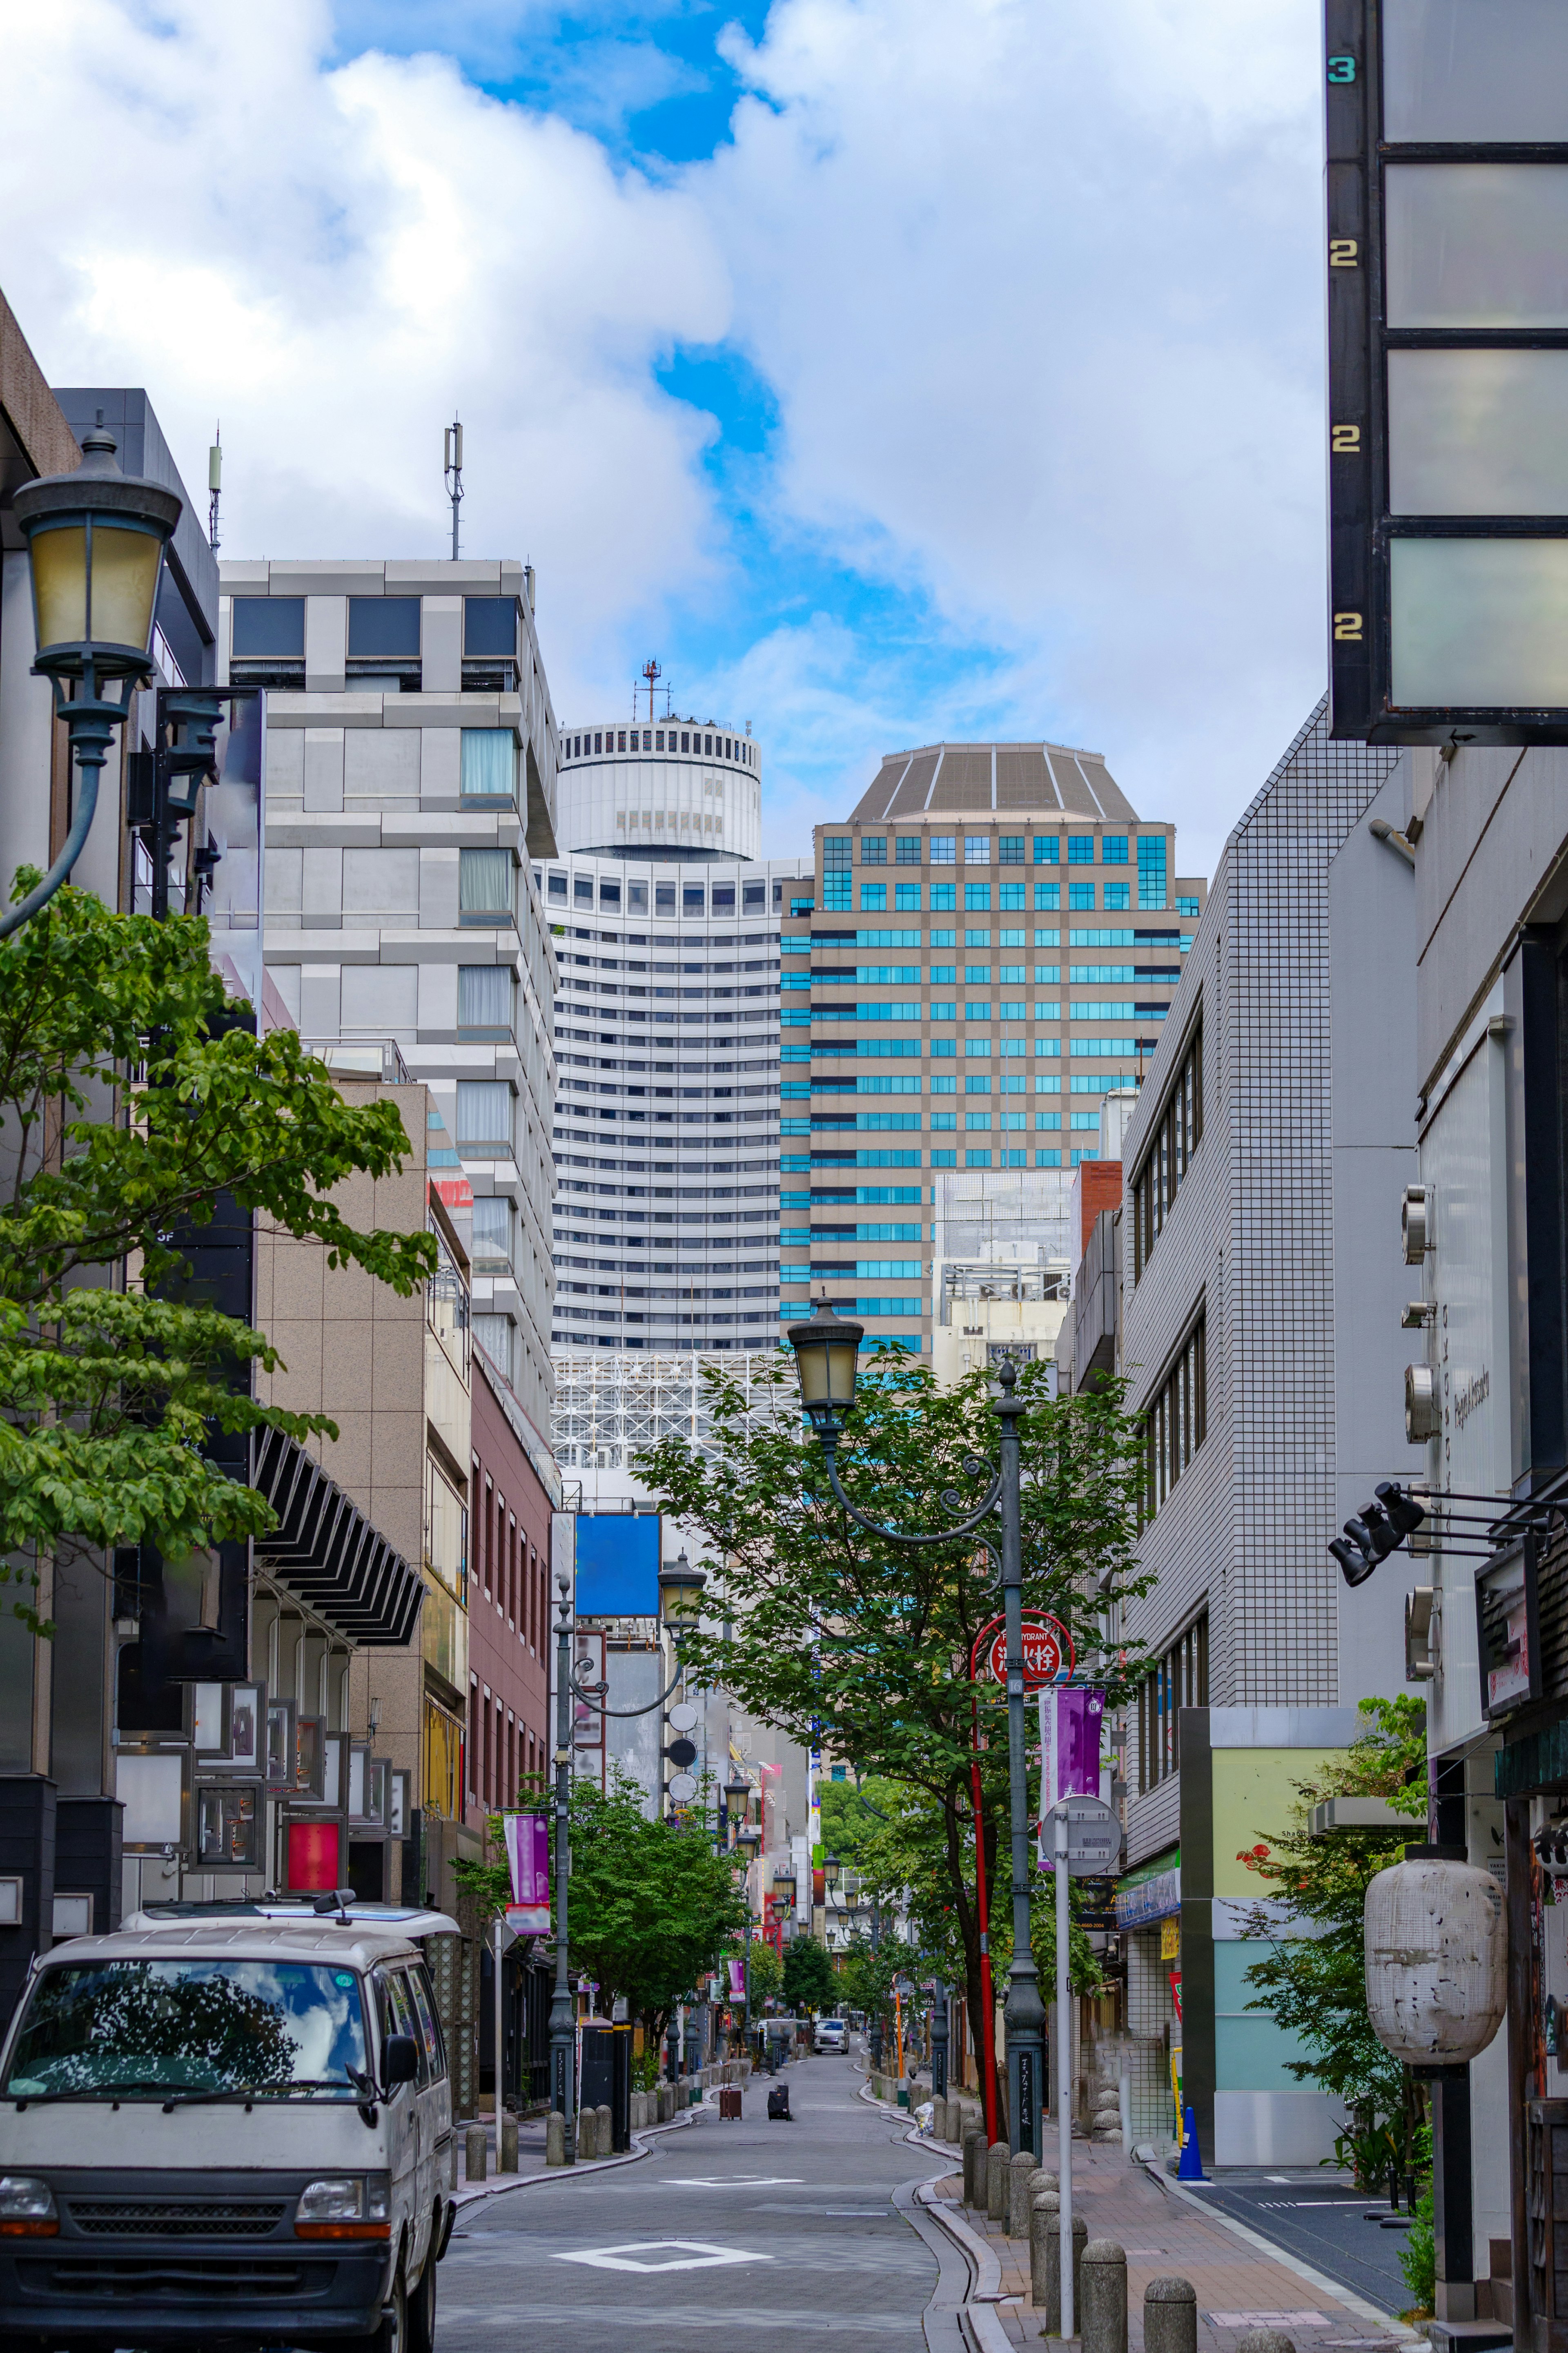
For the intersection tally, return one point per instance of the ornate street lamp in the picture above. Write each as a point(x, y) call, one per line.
point(832, 1871)
point(679, 1590)
point(95, 548)
point(825, 1352)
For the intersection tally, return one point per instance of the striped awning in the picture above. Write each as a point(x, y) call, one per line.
point(325, 1550)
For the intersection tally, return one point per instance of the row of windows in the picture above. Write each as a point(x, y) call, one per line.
point(272, 628)
point(821, 1159)
point(1176, 1134)
point(660, 739)
point(694, 898)
point(837, 897)
point(1181, 1680)
point(1175, 1420)
point(987, 849)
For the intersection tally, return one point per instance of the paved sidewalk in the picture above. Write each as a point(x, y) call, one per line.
point(1239, 2285)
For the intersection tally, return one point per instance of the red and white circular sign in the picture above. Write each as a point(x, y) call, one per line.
point(1048, 1650)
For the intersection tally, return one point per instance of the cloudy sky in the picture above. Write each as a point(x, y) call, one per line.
point(890, 369)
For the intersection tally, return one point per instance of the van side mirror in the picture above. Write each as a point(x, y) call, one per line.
point(399, 2060)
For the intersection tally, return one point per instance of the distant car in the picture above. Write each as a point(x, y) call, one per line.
point(832, 2034)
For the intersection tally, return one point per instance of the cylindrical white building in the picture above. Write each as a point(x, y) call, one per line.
point(672, 788)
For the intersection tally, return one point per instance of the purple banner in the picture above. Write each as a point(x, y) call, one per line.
point(1070, 1744)
point(527, 1855)
point(737, 1981)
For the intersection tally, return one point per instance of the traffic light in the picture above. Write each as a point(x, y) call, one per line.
point(1378, 1529)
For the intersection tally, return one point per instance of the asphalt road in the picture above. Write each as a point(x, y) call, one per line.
point(1323, 2223)
point(754, 2232)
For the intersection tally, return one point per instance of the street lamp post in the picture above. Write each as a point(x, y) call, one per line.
point(827, 1351)
point(563, 2009)
point(938, 2042)
point(95, 549)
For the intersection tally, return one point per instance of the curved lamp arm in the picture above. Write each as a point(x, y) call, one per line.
point(587, 1696)
point(74, 844)
point(940, 1536)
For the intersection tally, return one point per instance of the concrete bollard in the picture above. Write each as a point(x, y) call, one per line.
point(1021, 2174)
point(938, 2118)
point(587, 2136)
point(1264, 2341)
point(1101, 2319)
point(555, 2138)
point(605, 2140)
point(506, 2159)
point(1045, 2255)
point(475, 2151)
point(1170, 2317)
point(998, 2162)
point(974, 2167)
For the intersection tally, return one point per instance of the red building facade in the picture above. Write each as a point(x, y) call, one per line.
point(508, 1599)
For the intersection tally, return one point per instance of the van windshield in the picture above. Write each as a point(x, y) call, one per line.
point(153, 2029)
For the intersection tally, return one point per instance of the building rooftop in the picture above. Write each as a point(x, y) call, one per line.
point(960, 780)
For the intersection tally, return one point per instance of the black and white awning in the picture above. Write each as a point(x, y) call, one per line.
point(325, 1550)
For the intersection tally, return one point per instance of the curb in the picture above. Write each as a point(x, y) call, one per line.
point(1385, 2323)
point(640, 2148)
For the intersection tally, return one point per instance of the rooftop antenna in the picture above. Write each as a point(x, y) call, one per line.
point(214, 483)
point(452, 475)
point(652, 674)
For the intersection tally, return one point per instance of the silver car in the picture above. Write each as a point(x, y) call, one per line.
point(832, 2034)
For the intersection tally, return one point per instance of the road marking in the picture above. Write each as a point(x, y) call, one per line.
point(1269, 2319)
point(732, 2182)
point(683, 2255)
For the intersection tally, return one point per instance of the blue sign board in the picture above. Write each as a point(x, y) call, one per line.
point(618, 1563)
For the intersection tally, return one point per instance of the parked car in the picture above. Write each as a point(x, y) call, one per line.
point(248, 2117)
point(832, 2034)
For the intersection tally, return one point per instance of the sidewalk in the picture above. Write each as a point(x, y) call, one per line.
point(1239, 2285)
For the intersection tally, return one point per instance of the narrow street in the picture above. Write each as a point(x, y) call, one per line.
point(765, 2228)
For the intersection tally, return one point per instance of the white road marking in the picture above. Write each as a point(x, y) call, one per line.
point(734, 2181)
point(683, 2255)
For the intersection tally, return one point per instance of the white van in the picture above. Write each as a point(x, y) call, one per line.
point(832, 2034)
point(226, 2129)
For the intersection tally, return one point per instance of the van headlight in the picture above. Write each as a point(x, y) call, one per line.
point(26, 2206)
point(344, 2206)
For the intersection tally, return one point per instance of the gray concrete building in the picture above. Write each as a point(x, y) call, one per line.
point(1264, 1163)
point(409, 778)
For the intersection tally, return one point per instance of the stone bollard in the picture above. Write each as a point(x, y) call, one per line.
point(555, 2138)
point(506, 2160)
point(1045, 2257)
point(938, 2118)
point(1101, 2319)
point(1170, 2317)
point(635, 2112)
point(604, 2141)
point(974, 2167)
point(1264, 2341)
point(475, 2152)
point(587, 2136)
point(1021, 2172)
point(998, 2161)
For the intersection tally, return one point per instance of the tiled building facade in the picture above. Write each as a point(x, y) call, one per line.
point(994, 939)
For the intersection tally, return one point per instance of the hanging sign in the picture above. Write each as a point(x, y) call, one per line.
point(1047, 1650)
point(527, 1855)
point(1070, 1720)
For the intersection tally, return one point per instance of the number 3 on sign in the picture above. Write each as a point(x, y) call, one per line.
point(1341, 70)
point(1347, 628)
point(1344, 253)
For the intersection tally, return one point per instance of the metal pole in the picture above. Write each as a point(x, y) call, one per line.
point(1025, 2016)
point(562, 2011)
point(500, 2038)
point(986, 2047)
point(1064, 2070)
point(939, 2044)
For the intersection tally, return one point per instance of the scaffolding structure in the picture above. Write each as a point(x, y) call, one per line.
point(611, 1405)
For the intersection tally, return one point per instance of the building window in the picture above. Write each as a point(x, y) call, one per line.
point(490, 626)
point(873, 898)
point(1010, 850)
point(873, 849)
point(1188, 907)
point(1081, 895)
point(1175, 1419)
point(384, 626)
point(1010, 897)
point(484, 998)
point(838, 854)
point(943, 898)
point(1113, 850)
point(907, 897)
point(977, 849)
point(1047, 849)
point(908, 851)
point(1152, 870)
point(268, 628)
point(977, 898)
point(1080, 850)
point(484, 1117)
point(1048, 895)
point(1181, 1680)
point(490, 763)
point(945, 849)
point(977, 1159)
point(1177, 1133)
point(1116, 898)
point(485, 886)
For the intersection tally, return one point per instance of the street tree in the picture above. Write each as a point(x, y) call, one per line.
point(1313, 1979)
point(809, 1983)
point(841, 1637)
point(132, 1100)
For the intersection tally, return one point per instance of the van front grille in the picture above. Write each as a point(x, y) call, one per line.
point(176, 2218)
point(152, 2279)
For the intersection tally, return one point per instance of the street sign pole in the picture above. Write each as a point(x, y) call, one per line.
point(1064, 2072)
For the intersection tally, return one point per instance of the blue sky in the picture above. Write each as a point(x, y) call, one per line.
point(889, 369)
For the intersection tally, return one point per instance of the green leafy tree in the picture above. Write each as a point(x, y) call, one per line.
point(1313, 1983)
point(130, 1100)
point(651, 1907)
point(809, 1982)
point(766, 1974)
point(823, 1627)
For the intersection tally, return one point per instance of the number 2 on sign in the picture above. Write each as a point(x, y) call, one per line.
point(1345, 440)
point(1344, 253)
point(1347, 628)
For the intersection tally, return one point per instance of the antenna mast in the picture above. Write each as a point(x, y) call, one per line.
point(452, 474)
point(652, 673)
point(214, 483)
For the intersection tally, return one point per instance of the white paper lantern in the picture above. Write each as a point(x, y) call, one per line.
point(1436, 1961)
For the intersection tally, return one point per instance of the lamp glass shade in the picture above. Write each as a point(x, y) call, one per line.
point(826, 1355)
point(832, 1869)
point(123, 586)
point(59, 585)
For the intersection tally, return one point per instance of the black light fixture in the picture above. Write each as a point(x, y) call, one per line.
point(679, 1590)
point(737, 1793)
point(1378, 1529)
point(95, 550)
point(832, 1871)
point(827, 1351)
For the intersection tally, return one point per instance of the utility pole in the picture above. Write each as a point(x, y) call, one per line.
point(1024, 2014)
point(563, 2009)
point(215, 484)
point(452, 474)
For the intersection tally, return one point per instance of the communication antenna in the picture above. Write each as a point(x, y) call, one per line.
point(215, 483)
point(452, 474)
point(652, 674)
